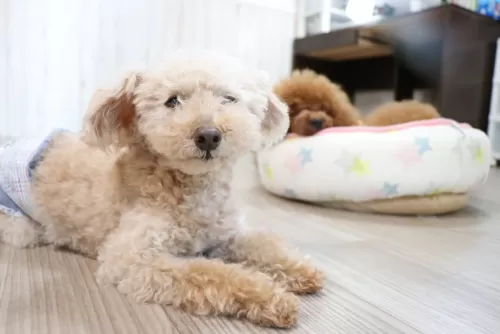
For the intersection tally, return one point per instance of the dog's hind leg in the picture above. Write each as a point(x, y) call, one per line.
point(19, 231)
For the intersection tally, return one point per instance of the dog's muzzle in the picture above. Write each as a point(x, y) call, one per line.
point(207, 139)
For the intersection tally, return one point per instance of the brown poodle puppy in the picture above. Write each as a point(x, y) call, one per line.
point(159, 214)
point(315, 103)
point(401, 112)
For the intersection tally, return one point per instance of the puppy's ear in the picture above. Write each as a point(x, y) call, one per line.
point(345, 113)
point(276, 120)
point(111, 114)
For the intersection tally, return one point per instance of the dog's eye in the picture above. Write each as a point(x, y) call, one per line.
point(228, 99)
point(172, 102)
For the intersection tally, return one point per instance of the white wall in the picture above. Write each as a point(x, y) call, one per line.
point(57, 52)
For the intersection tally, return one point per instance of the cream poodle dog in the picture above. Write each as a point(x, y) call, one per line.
point(159, 214)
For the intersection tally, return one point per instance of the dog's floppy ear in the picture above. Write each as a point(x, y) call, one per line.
point(276, 120)
point(111, 114)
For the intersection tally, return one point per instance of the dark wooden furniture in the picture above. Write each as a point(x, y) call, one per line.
point(448, 49)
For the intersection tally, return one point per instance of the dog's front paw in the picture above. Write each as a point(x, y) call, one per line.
point(305, 279)
point(281, 311)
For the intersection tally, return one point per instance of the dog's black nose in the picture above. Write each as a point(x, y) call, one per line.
point(207, 139)
point(316, 123)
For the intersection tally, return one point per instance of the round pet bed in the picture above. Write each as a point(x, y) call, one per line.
point(418, 168)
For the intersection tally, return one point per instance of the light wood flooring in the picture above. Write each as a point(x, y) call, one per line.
point(385, 275)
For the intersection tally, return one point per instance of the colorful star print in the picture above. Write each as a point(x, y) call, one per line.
point(345, 161)
point(423, 144)
point(476, 152)
point(479, 155)
point(293, 164)
point(390, 189)
point(305, 155)
point(434, 189)
point(360, 167)
point(408, 155)
point(350, 163)
point(269, 172)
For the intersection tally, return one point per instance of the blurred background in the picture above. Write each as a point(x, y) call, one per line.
point(56, 53)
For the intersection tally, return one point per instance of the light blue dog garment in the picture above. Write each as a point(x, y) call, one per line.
point(18, 161)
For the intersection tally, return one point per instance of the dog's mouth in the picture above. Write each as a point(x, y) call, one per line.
point(207, 155)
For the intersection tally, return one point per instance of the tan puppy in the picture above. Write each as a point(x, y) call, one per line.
point(315, 103)
point(159, 214)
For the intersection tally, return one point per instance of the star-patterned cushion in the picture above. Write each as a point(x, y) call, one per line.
point(360, 164)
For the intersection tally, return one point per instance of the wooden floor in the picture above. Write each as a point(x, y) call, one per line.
point(385, 275)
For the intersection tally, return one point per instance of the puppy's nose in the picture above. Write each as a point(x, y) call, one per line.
point(207, 139)
point(316, 123)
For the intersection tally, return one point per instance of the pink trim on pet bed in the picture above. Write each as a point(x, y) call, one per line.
point(378, 129)
point(397, 127)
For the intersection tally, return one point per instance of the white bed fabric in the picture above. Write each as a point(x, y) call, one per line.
point(362, 164)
